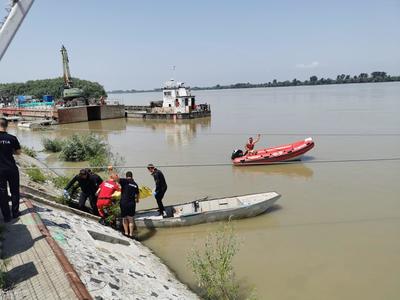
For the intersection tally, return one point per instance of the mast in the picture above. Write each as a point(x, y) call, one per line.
point(66, 73)
point(19, 9)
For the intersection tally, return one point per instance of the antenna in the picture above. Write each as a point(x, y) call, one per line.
point(173, 72)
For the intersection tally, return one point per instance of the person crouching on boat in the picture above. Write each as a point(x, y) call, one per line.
point(105, 192)
point(129, 198)
point(249, 148)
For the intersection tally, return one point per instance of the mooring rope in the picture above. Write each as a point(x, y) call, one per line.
point(333, 134)
point(164, 166)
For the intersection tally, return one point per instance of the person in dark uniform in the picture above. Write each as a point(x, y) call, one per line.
point(96, 178)
point(89, 183)
point(129, 198)
point(9, 174)
point(161, 187)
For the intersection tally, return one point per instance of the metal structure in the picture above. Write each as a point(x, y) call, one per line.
point(16, 13)
point(69, 92)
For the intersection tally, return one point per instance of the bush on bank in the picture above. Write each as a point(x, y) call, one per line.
point(54, 145)
point(83, 148)
point(213, 267)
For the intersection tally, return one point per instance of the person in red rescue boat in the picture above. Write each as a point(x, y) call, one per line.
point(249, 148)
point(105, 192)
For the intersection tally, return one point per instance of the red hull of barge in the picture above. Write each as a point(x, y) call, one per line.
point(277, 154)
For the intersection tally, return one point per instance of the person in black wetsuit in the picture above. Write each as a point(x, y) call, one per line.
point(89, 183)
point(9, 174)
point(129, 198)
point(161, 187)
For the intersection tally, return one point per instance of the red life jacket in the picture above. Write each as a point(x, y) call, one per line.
point(250, 146)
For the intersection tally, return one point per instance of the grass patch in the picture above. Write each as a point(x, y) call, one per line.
point(60, 182)
point(213, 267)
point(29, 151)
point(54, 145)
point(36, 175)
point(114, 212)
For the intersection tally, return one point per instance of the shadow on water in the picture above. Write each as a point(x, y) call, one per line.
point(273, 208)
point(145, 234)
point(289, 170)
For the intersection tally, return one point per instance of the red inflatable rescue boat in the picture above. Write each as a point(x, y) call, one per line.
point(273, 155)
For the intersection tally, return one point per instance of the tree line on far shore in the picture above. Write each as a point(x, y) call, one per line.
point(376, 76)
point(53, 87)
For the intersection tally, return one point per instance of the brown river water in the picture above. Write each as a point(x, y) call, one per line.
point(335, 231)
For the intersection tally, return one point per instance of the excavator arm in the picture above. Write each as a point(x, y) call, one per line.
point(17, 13)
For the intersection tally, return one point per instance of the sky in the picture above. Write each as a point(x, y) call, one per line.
point(130, 44)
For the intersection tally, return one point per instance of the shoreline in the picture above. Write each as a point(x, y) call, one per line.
point(80, 233)
point(251, 86)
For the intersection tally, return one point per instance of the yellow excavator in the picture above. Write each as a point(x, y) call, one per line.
point(17, 11)
point(72, 96)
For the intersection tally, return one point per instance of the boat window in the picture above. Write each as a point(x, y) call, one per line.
point(186, 101)
point(167, 93)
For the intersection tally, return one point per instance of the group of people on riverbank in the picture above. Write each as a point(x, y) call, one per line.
point(100, 194)
point(93, 187)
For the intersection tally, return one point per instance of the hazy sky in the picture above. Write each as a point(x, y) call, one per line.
point(127, 44)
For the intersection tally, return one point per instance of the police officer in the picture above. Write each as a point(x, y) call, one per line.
point(161, 187)
point(89, 183)
point(9, 173)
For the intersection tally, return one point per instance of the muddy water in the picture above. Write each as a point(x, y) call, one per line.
point(334, 233)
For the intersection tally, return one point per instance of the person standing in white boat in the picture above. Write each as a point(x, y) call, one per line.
point(161, 187)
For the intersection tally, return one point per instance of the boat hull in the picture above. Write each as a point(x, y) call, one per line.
point(246, 211)
point(277, 154)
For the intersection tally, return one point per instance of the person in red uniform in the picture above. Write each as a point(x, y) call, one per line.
point(105, 192)
point(250, 145)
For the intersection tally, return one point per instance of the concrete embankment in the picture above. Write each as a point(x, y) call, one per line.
point(109, 265)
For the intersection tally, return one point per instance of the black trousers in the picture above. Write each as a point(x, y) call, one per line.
point(159, 196)
point(92, 199)
point(10, 177)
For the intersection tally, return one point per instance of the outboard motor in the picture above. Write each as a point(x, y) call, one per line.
point(237, 153)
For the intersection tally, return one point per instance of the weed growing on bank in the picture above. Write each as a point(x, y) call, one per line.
point(60, 181)
point(54, 145)
point(212, 265)
point(91, 148)
point(36, 175)
point(29, 151)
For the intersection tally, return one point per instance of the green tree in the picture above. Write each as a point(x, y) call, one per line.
point(313, 79)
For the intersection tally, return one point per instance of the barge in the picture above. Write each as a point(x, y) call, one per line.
point(64, 115)
point(178, 103)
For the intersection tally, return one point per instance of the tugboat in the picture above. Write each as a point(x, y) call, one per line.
point(178, 103)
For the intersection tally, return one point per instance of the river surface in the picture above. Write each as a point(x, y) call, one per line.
point(335, 231)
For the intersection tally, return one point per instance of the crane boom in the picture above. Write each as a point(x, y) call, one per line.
point(14, 19)
point(66, 73)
